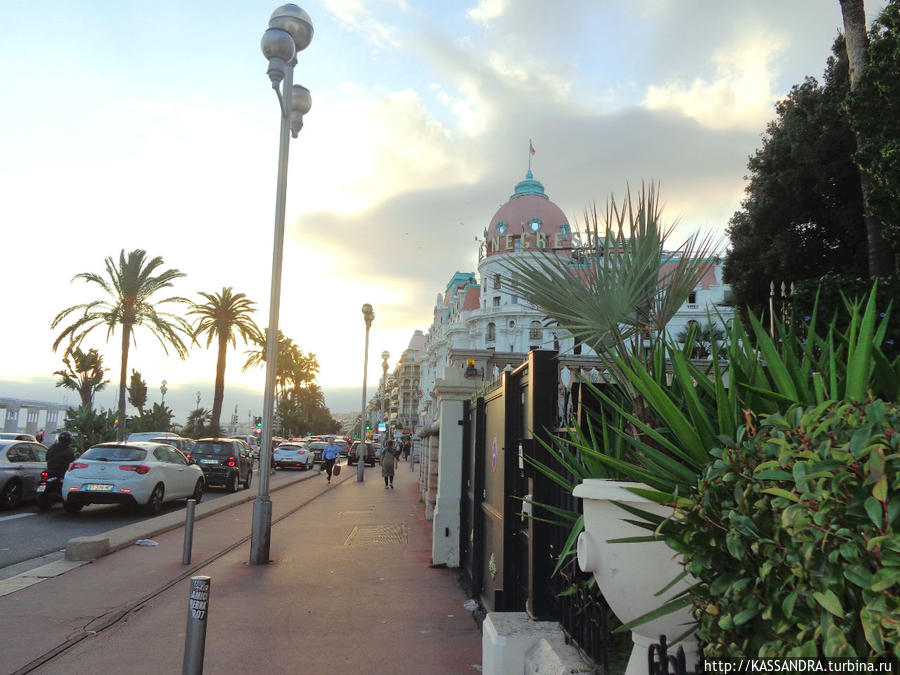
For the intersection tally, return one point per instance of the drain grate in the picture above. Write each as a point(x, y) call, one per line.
point(378, 535)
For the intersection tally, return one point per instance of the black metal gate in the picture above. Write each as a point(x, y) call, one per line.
point(508, 557)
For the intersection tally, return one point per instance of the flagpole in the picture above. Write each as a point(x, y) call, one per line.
point(529, 154)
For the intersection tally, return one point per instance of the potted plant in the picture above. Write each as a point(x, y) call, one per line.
point(655, 434)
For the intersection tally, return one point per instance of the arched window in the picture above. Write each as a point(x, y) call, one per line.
point(491, 332)
point(536, 332)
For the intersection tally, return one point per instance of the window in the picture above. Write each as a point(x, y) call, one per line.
point(497, 282)
point(514, 299)
point(692, 298)
point(491, 332)
point(496, 301)
point(536, 332)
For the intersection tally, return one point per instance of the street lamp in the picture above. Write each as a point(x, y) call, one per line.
point(290, 31)
point(163, 389)
point(368, 316)
point(385, 355)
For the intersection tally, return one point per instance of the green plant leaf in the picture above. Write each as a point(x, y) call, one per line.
point(745, 615)
point(873, 509)
point(781, 492)
point(885, 578)
point(830, 602)
point(682, 600)
point(859, 575)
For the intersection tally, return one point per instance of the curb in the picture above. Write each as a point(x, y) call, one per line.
point(99, 545)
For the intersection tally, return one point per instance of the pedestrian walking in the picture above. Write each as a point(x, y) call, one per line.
point(405, 450)
point(388, 459)
point(330, 455)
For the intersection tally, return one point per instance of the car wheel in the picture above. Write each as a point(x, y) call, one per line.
point(235, 483)
point(198, 491)
point(278, 467)
point(249, 479)
point(43, 502)
point(72, 507)
point(11, 495)
point(155, 503)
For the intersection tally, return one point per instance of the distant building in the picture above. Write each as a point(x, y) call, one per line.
point(477, 319)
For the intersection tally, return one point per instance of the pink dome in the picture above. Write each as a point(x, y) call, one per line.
point(529, 220)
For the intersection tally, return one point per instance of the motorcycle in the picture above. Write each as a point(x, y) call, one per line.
point(49, 491)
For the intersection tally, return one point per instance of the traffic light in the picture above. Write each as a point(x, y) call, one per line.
point(257, 422)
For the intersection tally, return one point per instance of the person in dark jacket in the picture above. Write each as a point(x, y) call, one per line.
point(60, 455)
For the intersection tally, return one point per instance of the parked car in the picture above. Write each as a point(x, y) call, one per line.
point(142, 474)
point(251, 440)
point(16, 436)
point(293, 454)
point(343, 446)
point(21, 463)
point(369, 459)
point(316, 448)
point(224, 461)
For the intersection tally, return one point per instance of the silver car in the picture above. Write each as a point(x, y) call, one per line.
point(292, 454)
point(21, 463)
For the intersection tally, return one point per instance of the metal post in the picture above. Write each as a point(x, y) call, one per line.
point(188, 532)
point(361, 453)
point(195, 636)
point(262, 508)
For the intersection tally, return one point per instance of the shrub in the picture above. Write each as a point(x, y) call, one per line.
point(794, 535)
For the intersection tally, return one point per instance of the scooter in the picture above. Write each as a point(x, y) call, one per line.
point(49, 491)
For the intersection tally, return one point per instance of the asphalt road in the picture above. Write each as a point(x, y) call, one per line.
point(26, 533)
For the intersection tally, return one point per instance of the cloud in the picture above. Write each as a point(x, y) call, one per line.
point(740, 95)
point(487, 10)
point(353, 15)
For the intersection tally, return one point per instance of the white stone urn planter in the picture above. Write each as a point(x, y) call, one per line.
point(630, 574)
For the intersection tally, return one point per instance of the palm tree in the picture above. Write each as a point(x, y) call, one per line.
point(629, 286)
point(293, 367)
point(129, 288)
point(83, 373)
point(224, 316)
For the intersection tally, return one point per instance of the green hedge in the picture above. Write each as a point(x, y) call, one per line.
point(794, 535)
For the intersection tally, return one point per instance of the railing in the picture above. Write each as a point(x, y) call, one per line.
point(660, 662)
point(580, 609)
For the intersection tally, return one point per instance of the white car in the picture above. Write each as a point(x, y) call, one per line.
point(292, 454)
point(142, 474)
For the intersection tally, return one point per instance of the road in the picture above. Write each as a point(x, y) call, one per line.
point(26, 533)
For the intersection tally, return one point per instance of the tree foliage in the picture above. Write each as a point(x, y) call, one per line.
point(137, 391)
point(83, 373)
point(128, 301)
point(90, 427)
point(158, 418)
point(802, 214)
point(223, 317)
point(874, 111)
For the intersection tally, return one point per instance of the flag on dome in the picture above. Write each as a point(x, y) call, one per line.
point(530, 146)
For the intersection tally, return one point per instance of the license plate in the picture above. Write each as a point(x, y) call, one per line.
point(209, 461)
point(97, 487)
point(41, 488)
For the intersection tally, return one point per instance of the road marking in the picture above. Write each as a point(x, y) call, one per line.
point(18, 515)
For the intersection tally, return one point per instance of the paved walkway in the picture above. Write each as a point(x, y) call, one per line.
point(350, 590)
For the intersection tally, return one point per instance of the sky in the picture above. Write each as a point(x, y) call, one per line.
point(131, 125)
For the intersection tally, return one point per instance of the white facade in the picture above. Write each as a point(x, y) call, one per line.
point(478, 313)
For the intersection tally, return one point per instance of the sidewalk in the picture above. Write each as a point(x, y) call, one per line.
point(350, 590)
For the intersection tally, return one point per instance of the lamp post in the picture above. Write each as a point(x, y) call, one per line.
point(368, 316)
point(290, 31)
point(385, 355)
point(163, 389)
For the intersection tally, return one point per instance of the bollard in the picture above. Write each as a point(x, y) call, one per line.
point(188, 532)
point(195, 636)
